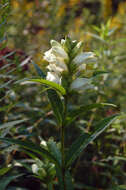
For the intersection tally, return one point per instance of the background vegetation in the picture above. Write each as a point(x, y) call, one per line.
point(26, 28)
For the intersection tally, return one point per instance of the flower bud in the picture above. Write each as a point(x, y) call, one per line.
point(51, 76)
point(81, 84)
point(84, 57)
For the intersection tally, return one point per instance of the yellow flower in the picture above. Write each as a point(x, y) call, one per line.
point(15, 4)
point(73, 2)
point(122, 8)
point(61, 10)
point(29, 6)
point(107, 8)
point(78, 24)
point(115, 22)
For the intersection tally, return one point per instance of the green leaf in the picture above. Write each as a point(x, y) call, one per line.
point(6, 84)
point(7, 107)
point(50, 186)
point(72, 115)
point(118, 41)
point(23, 164)
point(16, 188)
point(82, 186)
point(6, 56)
point(4, 170)
point(54, 150)
point(121, 187)
point(96, 73)
point(96, 37)
point(6, 180)
point(6, 127)
point(68, 180)
point(28, 145)
point(39, 71)
point(56, 104)
point(82, 142)
point(30, 154)
point(12, 123)
point(51, 84)
point(77, 49)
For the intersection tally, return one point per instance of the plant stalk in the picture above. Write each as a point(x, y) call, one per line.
point(50, 186)
point(63, 141)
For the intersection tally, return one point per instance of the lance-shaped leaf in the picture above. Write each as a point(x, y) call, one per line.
point(39, 71)
point(6, 56)
point(81, 143)
point(50, 186)
point(56, 104)
point(52, 146)
point(50, 84)
point(28, 145)
point(120, 187)
point(6, 180)
point(4, 170)
point(73, 114)
point(12, 123)
point(68, 180)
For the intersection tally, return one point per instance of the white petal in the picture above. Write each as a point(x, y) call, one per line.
point(83, 57)
point(62, 41)
point(53, 67)
point(35, 168)
point(74, 41)
point(59, 52)
point(43, 143)
point(79, 44)
point(82, 67)
point(81, 84)
point(57, 66)
point(60, 63)
point(55, 43)
point(49, 56)
point(54, 77)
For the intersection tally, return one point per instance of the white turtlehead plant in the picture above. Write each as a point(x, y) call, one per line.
point(64, 79)
point(68, 57)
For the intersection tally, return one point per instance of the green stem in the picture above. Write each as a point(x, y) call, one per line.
point(63, 154)
point(50, 186)
point(63, 142)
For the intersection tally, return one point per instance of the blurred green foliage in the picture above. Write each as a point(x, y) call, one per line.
point(26, 28)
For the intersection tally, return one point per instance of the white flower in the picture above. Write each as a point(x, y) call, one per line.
point(57, 58)
point(49, 56)
point(84, 57)
point(43, 143)
point(79, 44)
point(55, 43)
point(62, 41)
point(57, 67)
point(56, 52)
point(59, 52)
point(81, 84)
point(35, 168)
point(82, 67)
point(54, 77)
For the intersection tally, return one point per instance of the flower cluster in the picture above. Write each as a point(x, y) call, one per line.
point(68, 59)
point(57, 58)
